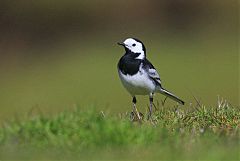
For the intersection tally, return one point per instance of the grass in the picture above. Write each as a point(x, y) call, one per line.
point(196, 133)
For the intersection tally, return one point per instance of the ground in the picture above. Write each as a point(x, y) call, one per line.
point(196, 133)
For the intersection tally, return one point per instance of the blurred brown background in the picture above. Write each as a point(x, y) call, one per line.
point(38, 23)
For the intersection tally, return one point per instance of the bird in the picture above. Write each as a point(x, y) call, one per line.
point(139, 76)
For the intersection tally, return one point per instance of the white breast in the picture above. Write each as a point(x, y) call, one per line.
point(138, 84)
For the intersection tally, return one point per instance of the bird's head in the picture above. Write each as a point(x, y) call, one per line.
point(134, 46)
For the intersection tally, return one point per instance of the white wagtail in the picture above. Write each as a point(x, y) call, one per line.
point(138, 75)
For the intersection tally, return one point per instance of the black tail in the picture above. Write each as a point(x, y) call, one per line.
point(170, 95)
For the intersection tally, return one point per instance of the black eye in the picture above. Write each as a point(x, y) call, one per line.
point(133, 44)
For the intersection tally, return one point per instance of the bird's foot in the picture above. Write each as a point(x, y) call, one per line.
point(136, 116)
point(149, 117)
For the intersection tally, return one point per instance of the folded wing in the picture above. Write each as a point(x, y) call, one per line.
point(152, 72)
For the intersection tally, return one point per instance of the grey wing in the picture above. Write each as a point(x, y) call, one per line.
point(152, 72)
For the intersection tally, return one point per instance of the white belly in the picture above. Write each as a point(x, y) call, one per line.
point(138, 84)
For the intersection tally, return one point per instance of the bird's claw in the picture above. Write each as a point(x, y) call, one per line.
point(136, 116)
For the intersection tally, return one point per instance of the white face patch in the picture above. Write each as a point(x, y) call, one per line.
point(135, 47)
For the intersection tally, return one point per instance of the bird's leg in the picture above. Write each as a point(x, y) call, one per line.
point(151, 105)
point(134, 100)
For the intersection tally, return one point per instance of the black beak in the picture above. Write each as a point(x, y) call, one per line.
point(121, 43)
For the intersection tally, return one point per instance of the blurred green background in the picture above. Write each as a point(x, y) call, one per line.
point(54, 54)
